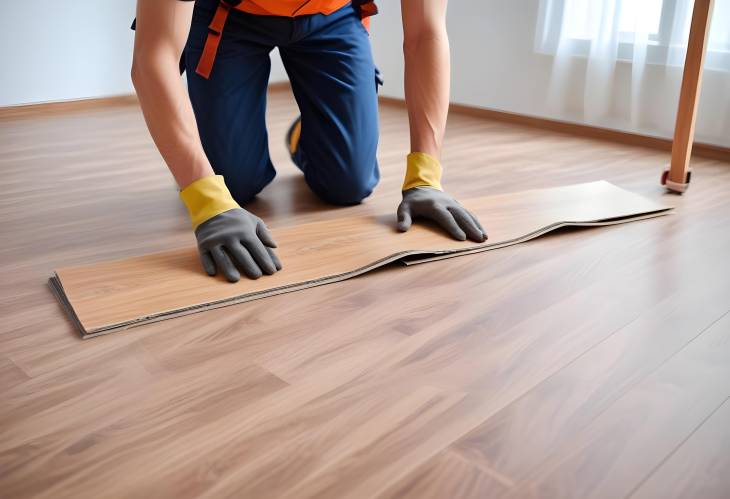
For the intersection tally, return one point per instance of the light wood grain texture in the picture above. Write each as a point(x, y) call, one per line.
point(633, 342)
point(625, 443)
point(689, 95)
point(698, 467)
point(532, 369)
point(108, 296)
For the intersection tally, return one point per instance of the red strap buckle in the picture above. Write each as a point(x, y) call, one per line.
point(368, 9)
point(215, 30)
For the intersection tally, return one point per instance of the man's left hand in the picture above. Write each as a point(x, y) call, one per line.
point(436, 205)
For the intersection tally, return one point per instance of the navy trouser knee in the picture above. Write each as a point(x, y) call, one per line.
point(346, 184)
point(345, 192)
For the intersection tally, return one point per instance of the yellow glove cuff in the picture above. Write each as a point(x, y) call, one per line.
point(206, 198)
point(422, 170)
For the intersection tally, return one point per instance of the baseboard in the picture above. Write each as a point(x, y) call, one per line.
point(60, 107)
point(699, 149)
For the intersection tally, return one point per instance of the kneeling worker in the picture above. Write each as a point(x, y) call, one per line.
point(214, 138)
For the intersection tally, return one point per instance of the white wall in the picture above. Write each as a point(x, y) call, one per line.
point(62, 50)
point(494, 66)
point(73, 49)
point(58, 50)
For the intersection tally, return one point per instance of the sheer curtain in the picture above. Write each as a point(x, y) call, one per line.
point(602, 33)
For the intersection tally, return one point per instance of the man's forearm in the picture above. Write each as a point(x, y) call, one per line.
point(172, 125)
point(427, 75)
point(165, 103)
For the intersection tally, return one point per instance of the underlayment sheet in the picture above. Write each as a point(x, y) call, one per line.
point(110, 296)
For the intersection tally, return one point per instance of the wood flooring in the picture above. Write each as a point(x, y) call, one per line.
point(588, 363)
point(109, 296)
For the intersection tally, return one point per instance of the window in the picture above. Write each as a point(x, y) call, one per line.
point(582, 18)
point(660, 27)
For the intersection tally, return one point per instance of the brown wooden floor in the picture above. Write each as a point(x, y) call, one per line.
point(592, 363)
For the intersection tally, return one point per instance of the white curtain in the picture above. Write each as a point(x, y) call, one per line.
point(600, 33)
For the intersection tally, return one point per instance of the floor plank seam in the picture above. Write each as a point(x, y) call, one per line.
point(499, 477)
point(614, 399)
point(572, 449)
point(675, 449)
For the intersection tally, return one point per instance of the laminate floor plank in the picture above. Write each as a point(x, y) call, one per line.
point(227, 459)
point(435, 368)
point(524, 362)
point(537, 426)
point(528, 369)
point(626, 442)
point(698, 467)
point(110, 296)
point(663, 317)
point(10, 374)
point(108, 419)
point(449, 475)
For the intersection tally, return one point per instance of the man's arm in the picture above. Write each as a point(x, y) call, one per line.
point(230, 239)
point(427, 75)
point(427, 72)
point(162, 29)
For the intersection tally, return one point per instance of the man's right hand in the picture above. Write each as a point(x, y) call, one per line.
point(230, 239)
point(236, 241)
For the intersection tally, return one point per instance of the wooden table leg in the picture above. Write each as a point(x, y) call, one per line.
point(677, 176)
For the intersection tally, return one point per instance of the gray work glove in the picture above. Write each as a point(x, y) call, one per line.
point(234, 241)
point(436, 205)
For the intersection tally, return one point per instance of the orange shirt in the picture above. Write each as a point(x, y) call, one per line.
point(290, 8)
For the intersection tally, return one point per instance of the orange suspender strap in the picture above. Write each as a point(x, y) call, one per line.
point(215, 30)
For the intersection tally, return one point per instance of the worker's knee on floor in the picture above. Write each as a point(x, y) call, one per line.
point(348, 190)
point(244, 192)
point(346, 196)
